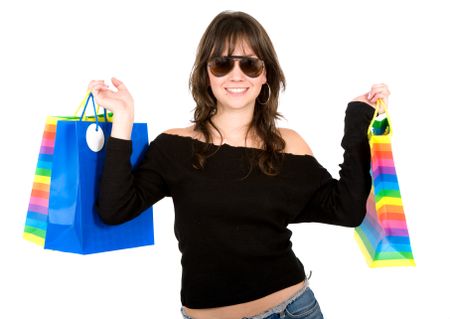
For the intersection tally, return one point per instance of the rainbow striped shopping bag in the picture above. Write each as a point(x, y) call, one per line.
point(37, 214)
point(36, 221)
point(61, 212)
point(383, 235)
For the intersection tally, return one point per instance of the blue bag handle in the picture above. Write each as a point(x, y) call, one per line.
point(90, 97)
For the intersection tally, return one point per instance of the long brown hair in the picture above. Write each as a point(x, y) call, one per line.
point(225, 31)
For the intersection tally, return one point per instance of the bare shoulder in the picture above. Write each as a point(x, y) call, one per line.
point(183, 131)
point(295, 144)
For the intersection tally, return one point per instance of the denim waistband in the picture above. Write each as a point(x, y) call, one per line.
point(282, 306)
point(275, 310)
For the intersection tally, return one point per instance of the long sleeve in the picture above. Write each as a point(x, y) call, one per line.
point(125, 193)
point(343, 202)
point(226, 224)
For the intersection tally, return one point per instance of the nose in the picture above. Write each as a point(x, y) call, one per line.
point(236, 72)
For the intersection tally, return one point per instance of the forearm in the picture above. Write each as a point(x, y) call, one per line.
point(125, 193)
point(342, 201)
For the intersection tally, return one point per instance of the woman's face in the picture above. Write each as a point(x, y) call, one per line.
point(236, 90)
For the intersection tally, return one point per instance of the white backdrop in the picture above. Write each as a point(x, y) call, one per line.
point(330, 51)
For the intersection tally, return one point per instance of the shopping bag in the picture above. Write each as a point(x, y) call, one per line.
point(37, 214)
point(383, 236)
point(61, 214)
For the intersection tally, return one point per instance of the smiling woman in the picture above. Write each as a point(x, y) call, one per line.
point(236, 179)
point(250, 91)
point(230, 83)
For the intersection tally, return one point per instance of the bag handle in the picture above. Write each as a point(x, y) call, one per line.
point(90, 97)
point(84, 103)
point(388, 129)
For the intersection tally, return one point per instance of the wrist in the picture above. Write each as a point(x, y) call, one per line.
point(122, 125)
point(122, 118)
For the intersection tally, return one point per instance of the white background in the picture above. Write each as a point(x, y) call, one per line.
point(331, 51)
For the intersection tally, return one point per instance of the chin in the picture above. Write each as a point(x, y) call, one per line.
point(236, 105)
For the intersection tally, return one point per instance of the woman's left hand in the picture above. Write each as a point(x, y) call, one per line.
point(378, 91)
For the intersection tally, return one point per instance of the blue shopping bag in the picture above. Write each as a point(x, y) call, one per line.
point(72, 224)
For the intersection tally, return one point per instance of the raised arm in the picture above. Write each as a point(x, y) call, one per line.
point(342, 201)
point(124, 193)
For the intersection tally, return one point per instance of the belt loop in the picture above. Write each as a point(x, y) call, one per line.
point(282, 314)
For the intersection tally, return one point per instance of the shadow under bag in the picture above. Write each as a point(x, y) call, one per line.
point(383, 235)
point(61, 214)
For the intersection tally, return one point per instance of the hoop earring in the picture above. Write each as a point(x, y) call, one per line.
point(268, 95)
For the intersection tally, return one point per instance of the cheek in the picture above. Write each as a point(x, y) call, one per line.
point(215, 83)
point(260, 82)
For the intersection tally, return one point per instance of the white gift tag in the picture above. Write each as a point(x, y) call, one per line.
point(95, 139)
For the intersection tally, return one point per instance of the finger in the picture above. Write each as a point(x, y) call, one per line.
point(378, 97)
point(380, 92)
point(379, 85)
point(99, 87)
point(94, 83)
point(375, 95)
point(376, 88)
point(118, 84)
point(105, 99)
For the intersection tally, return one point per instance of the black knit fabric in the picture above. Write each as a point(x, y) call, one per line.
point(232, 228)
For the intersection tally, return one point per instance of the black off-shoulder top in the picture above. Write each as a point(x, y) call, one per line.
point(232, 231)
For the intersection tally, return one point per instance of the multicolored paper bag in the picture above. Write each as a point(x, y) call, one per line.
point(36, 221)
point(383, 236)
point(61, 212)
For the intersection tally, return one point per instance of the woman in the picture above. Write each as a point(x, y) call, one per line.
point(237, 180)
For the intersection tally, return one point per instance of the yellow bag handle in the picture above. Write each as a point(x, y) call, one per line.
point(375, 115)
point(83, 103)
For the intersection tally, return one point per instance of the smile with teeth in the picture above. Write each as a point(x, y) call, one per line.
point(236, 90)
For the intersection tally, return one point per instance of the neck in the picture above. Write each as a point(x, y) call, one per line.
point(232, 124)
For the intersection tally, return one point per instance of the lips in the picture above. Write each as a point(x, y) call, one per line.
point(236, 90)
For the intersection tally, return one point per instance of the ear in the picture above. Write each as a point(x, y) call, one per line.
point(264, 78)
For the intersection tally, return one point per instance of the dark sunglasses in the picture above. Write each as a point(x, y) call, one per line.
point(222, 65)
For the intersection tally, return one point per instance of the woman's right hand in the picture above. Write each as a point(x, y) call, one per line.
point(377, 91)
point(120, 102)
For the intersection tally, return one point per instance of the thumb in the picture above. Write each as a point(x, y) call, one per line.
point(118, 84)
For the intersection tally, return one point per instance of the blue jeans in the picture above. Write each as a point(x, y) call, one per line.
point(303, 305)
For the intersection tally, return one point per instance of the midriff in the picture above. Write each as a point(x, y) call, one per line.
point(247, 309)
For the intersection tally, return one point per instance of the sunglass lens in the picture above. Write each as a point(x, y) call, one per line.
point(251, 67)
point(221, 66)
